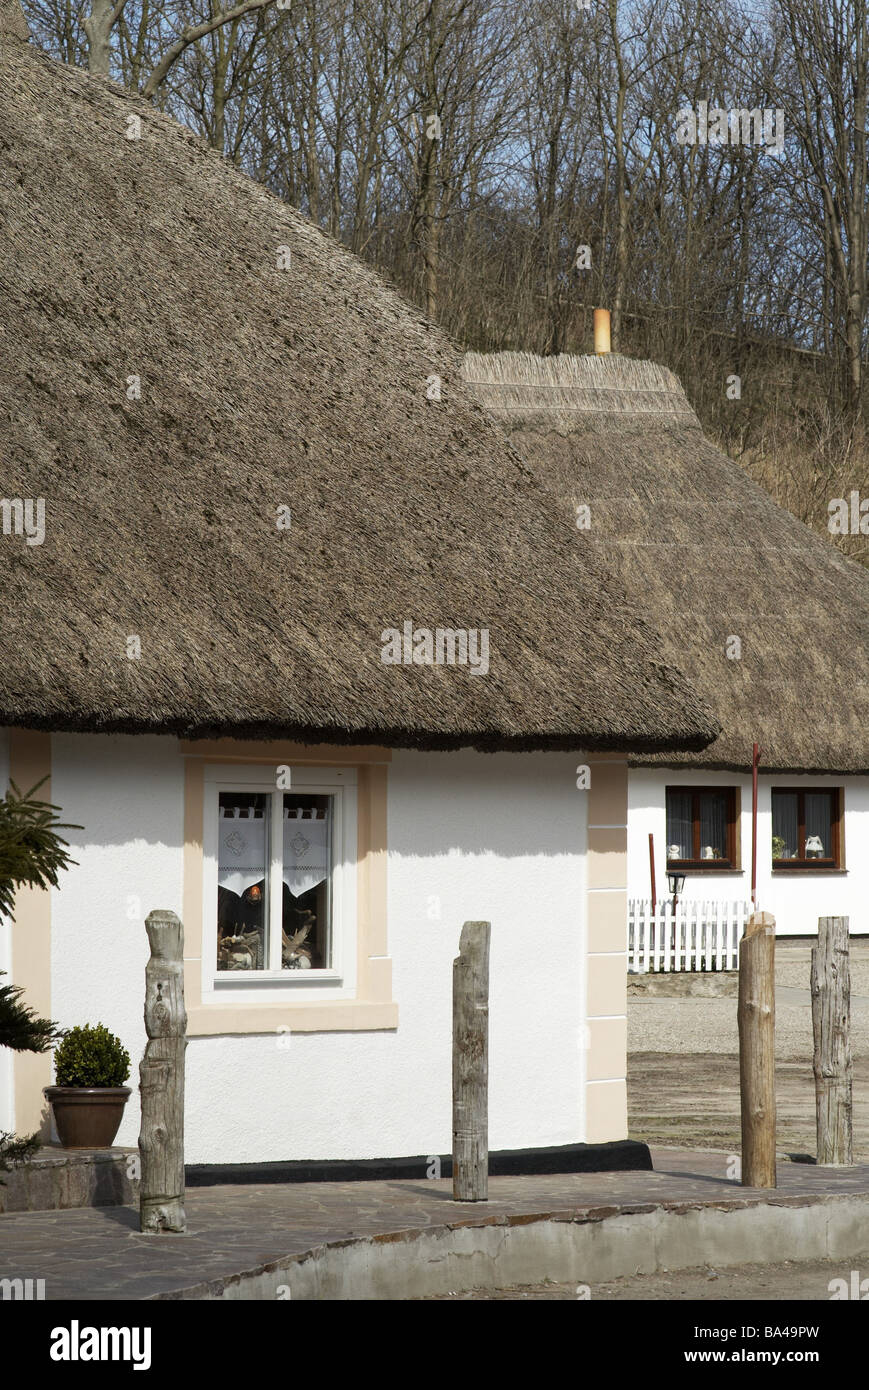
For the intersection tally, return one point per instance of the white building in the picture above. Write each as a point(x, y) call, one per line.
point(247, 487)
point(768, 620)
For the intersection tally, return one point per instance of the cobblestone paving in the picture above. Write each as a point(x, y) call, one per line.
point(97, 1253)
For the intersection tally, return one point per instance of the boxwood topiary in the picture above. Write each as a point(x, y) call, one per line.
point(91, 1056)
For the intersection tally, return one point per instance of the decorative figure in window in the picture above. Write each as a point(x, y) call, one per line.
point(294, 955)
point(814, 847)
point(239, 928)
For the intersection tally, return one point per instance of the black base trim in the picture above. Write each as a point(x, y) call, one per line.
point(618, 1156)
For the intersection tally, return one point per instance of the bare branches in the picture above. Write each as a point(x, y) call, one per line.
point(190, 35)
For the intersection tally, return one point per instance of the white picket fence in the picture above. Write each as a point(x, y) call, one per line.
point(703, 935)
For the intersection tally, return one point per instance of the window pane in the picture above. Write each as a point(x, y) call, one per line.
point(713, 825)
point(785, 825)
point(680, 834)
point(242, 872)
point(307, 882)
point(819, 825)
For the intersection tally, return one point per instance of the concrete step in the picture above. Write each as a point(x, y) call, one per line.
point(58, 1179)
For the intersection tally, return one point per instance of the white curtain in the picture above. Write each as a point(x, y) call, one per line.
point(307, 849)
point(242, 847)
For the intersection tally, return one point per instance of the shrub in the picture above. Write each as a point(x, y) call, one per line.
point(91, 1056)
point(15, 1151)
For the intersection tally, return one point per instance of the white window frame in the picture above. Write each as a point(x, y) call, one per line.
point(274, 984)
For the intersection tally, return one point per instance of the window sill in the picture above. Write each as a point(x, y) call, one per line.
point(809, 869)
point(692, 869)
point(228, 980)
point(284, 1019)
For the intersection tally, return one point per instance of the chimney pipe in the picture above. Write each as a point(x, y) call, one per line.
point(601, 331)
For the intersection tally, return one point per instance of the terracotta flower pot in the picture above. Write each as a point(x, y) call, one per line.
point(87, 1117)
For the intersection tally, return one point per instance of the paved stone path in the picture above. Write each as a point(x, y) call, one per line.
point(97, 1253)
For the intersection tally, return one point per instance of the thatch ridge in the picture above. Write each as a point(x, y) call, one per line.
point(711, 557)
point(155, 258)
point(549, 392)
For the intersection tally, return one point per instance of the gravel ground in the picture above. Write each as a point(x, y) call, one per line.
point(803, 1281)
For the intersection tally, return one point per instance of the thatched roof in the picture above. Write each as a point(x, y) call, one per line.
point(705, 552)
point(13, 25)
point(262, 387)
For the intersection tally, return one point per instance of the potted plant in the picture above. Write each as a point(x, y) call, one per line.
point(91, 1066)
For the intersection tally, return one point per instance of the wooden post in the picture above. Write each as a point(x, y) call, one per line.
point(756, 1019)
point(831, 1024)
point(161, 1078)
point(471, 1064)
point(755, 758)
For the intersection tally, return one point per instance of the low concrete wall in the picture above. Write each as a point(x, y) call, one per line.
point(597, 1246)
point(59, 1179)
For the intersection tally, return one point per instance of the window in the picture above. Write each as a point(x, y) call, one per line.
point(279, 899)
point(701, 828)
point(807, 829)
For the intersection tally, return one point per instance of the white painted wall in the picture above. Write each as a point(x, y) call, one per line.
point(797, 899)
point(128, 794)
point(500, 837)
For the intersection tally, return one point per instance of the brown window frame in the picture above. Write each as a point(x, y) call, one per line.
point(707, 866)
point(830, 863)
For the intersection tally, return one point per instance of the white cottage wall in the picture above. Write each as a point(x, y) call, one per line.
point(500, 837)
point(796, 899)
point(128, 795)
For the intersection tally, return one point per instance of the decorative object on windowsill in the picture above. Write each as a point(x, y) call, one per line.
point(295, 956)
point(88, 1099)
point(674, 851)
point(779, 845)
point(240, 952)
point(814, 847)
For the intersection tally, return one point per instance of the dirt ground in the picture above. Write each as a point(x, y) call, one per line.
point(683, 1063)
point(693, 1101)
point(805, 1281)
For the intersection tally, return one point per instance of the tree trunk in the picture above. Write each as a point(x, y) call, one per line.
point(471, 1064)
point(161, 1072)
point(98, 28)
point(756, 1019)
point(831, 1024)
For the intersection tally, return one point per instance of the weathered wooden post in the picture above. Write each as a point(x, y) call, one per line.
point(831, 1025)
point(161, 1079)
point(471, 1064)
point(756, 1019)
